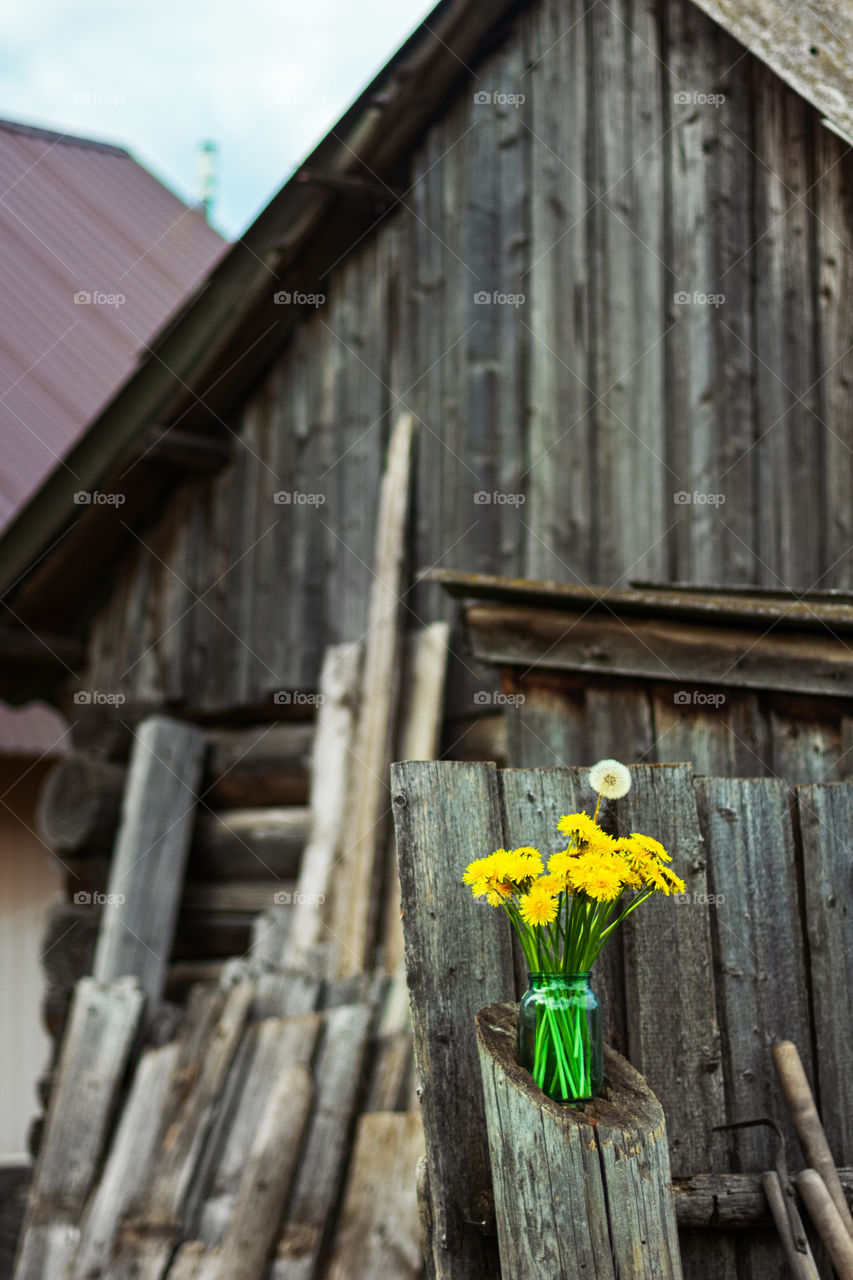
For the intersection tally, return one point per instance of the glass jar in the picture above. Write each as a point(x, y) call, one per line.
point(559, 1036)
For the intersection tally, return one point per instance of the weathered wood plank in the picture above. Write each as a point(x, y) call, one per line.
point(101, 1029)
point(576, 1189)
point(546, 727)
point(265, 765)
point(248, 844)
point(355, 907)
point(329, 773)
point(755, 917)
point(378, 1235)
point(673, 1036)
point(316, 1188)
point(826, 820)
point(458, 956)
point(150, 853)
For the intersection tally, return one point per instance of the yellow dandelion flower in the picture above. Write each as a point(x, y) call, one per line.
point(551, 883)
point(538, 908)
point(653, 847)
point(581, 828)
point(523, 864)
point(598, 876)
point(559, 864)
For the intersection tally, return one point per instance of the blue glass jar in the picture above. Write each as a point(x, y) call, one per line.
point(560, 1038)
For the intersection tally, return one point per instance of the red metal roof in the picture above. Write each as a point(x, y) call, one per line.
point(79, 218)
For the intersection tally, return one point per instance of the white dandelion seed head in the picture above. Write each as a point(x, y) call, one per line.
point(610, 779)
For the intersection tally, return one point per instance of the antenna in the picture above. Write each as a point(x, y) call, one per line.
point(207, 156)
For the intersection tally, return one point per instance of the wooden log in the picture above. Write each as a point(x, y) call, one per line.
point(79, 803)
point(595, 1180)
point(205, 935)
point(267, 764)
point(329, 772)
point(239, 896)
point(810, 1133)
point(266, 1181)
point(249, 844)
point(378, 1233)
point(150, 854)
point(102, 1026)
point(337, 1077)
point(456, 952)
point(355, 907)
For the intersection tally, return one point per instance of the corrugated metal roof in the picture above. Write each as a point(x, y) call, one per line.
point(78, 219)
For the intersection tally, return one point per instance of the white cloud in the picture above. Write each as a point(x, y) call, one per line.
point(264, 80)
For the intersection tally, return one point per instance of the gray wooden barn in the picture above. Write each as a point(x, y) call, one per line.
point(564, 296)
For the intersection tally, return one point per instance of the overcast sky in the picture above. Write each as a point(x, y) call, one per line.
point(264, 79)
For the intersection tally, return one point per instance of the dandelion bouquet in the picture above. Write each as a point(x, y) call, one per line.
point(563, 916)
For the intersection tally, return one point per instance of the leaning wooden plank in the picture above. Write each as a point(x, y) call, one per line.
point(338, 1078)
point(458, 958)
point(755, 915)
point(329, 771)
point(267, 1177)
point(594, 1180)
point(129, 1160)
point(355, 906)
point(378, 1236)
point(193, 1262)
point(425, 673)
point(45, 1250)
point(150, 853)
point(270, 1049)
point(151, 1225)
point(101, 1029)
point(673, 1037)
point(826, 820)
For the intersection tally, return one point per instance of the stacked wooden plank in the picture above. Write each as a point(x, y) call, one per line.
point(756, 950)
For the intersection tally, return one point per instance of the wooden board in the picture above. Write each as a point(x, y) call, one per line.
point(378, 1235)
point(150, 853)
point(458, 956)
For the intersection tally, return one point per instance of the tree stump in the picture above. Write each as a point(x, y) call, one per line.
point(579, 1191)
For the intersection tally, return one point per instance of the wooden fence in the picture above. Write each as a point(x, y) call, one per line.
point(696, 989)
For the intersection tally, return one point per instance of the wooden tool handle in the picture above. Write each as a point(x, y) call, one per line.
point(812, 1139)
point(802, 1264)
point(827, 1220)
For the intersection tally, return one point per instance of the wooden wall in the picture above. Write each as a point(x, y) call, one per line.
point(613, 188)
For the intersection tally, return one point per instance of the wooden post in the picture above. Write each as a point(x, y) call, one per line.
point(578, 1191)
point(150, 853)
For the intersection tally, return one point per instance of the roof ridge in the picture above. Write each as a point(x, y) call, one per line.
point(55, 135)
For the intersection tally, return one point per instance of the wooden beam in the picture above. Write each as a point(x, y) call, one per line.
point(146, 879)
point(689, 655)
